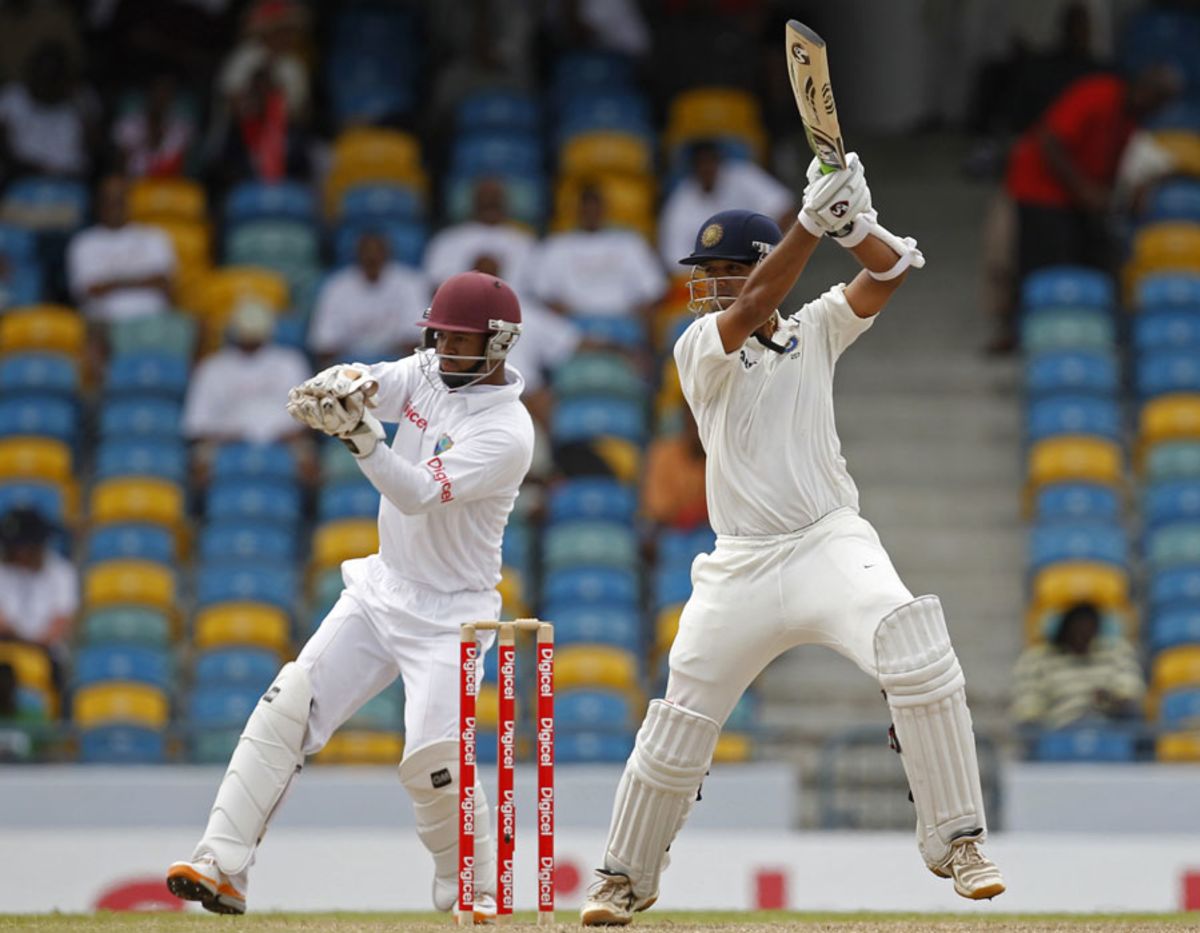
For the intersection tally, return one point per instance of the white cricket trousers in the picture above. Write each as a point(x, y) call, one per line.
point(384, 626)
point(753, 598)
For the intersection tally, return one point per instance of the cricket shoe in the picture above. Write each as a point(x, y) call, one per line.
point(611, 901)
point(201, 880)
point(975, 876)
point(484, 910)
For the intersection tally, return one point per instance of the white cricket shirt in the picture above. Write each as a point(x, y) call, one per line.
point(450, 477)
point(766, 419)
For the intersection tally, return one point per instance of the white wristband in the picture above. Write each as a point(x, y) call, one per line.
point(908, 257)
point(809, 223)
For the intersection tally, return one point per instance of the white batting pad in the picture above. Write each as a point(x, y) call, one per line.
point(670, 758)
point(430, 775)
point(927, 695)
point(267, 757)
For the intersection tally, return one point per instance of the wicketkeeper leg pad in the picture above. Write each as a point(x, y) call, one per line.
point(672, 754)
point(268, 756)
point(925, 689)
point(430, 775)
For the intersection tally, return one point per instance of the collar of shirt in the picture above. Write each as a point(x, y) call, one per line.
point(478, 398)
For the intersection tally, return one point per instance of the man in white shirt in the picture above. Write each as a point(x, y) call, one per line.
point(459, 247)
point(119, 270)
point(47, 125)
point(363, 309)
point(716, 184)
point(794, 562)
point(448, 483)
point(597, 270)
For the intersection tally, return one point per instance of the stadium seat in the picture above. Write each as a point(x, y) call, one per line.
point(237, 581)
point(627, 332)
point(156, 458)
point(591, 498)
point(1170, 417)
point(155, 419)
point(498, 109)
point(629, 202)
point(141, 664)
point(334, 542)
point(591, 585)
point(138, 499)
point(618, 625)
point(1174, 626)
point(1173, 501)
point(384, 712)
point(593, 748)
point(1161, 329)
point(246, 540)
point(733, 748)
point(1050, 329)
point(122, 745)
point(1085, 743)
point(1060, 585)
point(1072, 371)
point(1073, 415)
point(46, 498)
point(516, 546)
point(274, 462)
point(1165, 372)
point(275, 244)
point(1173, 199)
point(715, 113)
point(45, 204)
point(1073, 502)
point(242, 624)
point(146, 375)
point(677, 548)
point(35, 458)
point(1075, 458)
point(30, 664)
point(254, 500)
point(1175, 585)
point(586, 417)
point(1179, 746)
point(1172, 245)
point(589, 543)
point(221, 289)
point(1173, 545)
point(1091, 542)
point(1176, 668)
point(192, 242)
point(170, 199)
point(599, 374)
point(585, 710)
point(672, 585)
point(1180, 709)
point(596, 666)
point(354, 747)
point(354, 499)
point(513, 594)
point(593, 153)
point(46, 328)
point(1169, 289)
point(126, 624)
point(1067, 287)
point(131, 540)
point(116, 702)
point(170, 335)
point(215, 716)
point(666, 627)
point(128, 582)
point(1173, 460)
point(237, 666)
point(30, 416)
point(53, 374)
point(285, 200)
point(406, 239)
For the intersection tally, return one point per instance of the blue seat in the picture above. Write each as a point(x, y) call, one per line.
point(592, 69)
point(485, 153)
point(1072, 371)
point(286, 200)
point(592, 747)
point(244, 540)
point(1178, 624)
point(364, 204)
point(44, 373)
point(17, 244)
point(1073, 414)
point(406, 239)
point(127, 662)
point(1077, 541)
point(586, 417)
point(590, 543)
point(1052, 328)
point(1175, 585)
point(516, 547)
point(1174, 199)
point(592, 711)
point(585, 111)
point(24, 285)
point(1179, 114)
point(1167, 328)
point(1069, 287)
point(238, 581)
point(1171, 501)
point(1077, 502)
point(254, 500)
point(1180, 709)
point(672, 585)
point(131, 541)
point(158, 458)
point(1176, 544)
point(255, 461)
point(40, 417)
point(221, 706)
point(347, 500)
point(370, 102)
point(525, 195)
point(46, 203)
point(122, 745)
point(498, 109)
point(147, 374)
point(250, 668)
point(1162, 36)
point(44, 497)
point(1165, 371)
point(1086, 743)
point(1169, 289)
point(591, 585)
point(157, 418)
point(745, 715)
point(628, 332)
point(679, 548)
point(618, 624)
point(592, 498)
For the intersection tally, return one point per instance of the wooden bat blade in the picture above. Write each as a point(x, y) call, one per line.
point(808, 71)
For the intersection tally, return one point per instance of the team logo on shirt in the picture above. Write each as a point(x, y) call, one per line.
point(793, 342)
point(747, 361)
point(444, 443)
point(711, 235)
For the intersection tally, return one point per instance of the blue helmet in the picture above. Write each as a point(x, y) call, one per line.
point(736, 236)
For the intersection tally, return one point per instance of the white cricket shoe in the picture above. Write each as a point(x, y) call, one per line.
point(484, 910)
point(611, 901)
point(975, 876)
point(201, 880)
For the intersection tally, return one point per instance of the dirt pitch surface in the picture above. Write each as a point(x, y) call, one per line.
point(664, 922)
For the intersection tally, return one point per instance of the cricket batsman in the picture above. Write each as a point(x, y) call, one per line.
point(448, 483)
point(794, 562)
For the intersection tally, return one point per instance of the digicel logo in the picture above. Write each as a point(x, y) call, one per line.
point(140, 895)
point(441, 476)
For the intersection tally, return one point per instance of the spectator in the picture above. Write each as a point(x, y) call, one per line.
point(119, 270)
point(673, 492)
point(272, 37)
point(1078, 674)
point(25, 25)
point(717, 184)
point(458, 248)
point(240, 392)
point(154, 139)
point(611, 25)
point(39, 589)
point(597, 270)
point(1061, 172)
point(48, 123)
point(368, 308)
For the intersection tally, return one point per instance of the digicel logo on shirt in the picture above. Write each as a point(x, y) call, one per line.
point(415, 416)
point(441, 476)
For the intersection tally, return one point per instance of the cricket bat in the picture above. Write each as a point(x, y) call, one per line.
point(808, 69)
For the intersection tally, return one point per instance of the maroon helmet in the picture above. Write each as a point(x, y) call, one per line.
point(475, 303)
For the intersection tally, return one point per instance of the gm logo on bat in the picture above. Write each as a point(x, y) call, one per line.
point(800, 53)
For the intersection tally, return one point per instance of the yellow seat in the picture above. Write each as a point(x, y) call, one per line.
point(1179, 746)
point(595, 666)
point(30, 664)
point(369, 155)
point(219, 292)
point(487, 709)
point(155, 199)
point(708, 112)
point(733, 747)
point(342, 540)
point(1169, 418)
point(243, 624)
point(666, 626)
point(129, 582)
point(192, 241)
point(137, 499)
point(1183, 147)
point(596, 153)
point(40, 458)
point(1170, 245)
point(358, 747)
point(1062, 459)
point(368, 143)
point(1176, 667)
point(629, 202)
point(621, 456)
point(1041, 621)
point(54, 328)
point(512, 593)
point(121, 702)
point(1060, 585)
